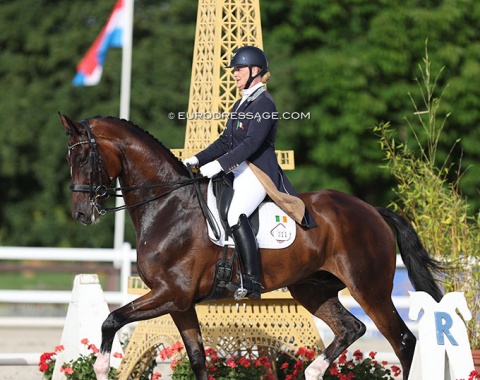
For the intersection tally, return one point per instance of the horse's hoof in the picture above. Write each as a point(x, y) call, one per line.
point(102, 366)
point(316, 369)
point(313, 375)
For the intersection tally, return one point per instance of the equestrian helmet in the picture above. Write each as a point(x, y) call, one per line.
point(250, 56)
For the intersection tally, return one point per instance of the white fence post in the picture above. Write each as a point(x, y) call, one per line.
point(125, 272)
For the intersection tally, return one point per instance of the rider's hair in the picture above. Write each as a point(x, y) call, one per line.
point(266, 77)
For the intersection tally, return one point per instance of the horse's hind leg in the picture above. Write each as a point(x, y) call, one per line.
point(385, 316)
point(322, 301)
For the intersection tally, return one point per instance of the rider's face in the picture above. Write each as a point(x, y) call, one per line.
point(241, 75)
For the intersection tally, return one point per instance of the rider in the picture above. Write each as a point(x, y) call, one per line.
point(246, 148)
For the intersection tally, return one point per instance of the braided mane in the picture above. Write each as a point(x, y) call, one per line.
point(148, 134)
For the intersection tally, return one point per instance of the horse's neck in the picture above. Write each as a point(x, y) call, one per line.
point(146, 161)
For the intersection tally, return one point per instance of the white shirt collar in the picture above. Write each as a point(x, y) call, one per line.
point(249, 91)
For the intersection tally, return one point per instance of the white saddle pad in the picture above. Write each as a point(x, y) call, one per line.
point(277, 230)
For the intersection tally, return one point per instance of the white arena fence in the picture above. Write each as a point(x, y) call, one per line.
point(121, 259)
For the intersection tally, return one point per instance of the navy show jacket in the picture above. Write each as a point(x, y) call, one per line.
point(250, 136)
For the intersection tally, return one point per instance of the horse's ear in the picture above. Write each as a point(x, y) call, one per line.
point(70, 126)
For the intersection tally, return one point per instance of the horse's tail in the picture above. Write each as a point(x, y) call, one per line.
point(419, 264)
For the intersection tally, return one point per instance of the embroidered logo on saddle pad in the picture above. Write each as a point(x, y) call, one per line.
point(276, 230)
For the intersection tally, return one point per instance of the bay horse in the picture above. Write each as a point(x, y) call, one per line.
point(353, 246)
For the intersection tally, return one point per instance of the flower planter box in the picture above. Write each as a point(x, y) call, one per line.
point(274, 323)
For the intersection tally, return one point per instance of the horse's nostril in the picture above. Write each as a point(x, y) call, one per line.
point(81, 217)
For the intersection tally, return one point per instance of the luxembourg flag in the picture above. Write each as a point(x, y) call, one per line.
point(89, 69)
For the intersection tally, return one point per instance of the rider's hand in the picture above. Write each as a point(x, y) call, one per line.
point(210, 169)
point(192, 161)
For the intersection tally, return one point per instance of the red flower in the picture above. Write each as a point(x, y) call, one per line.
point(43, 366)
point(46, 356)
point(263, 361)
point(358, 355)
point(94, 349)
point(298, 367)
point(396, 370)
point(310, 355)
point(166, 353)
point(343, 357)
point(209, 352)
point(244, 362)
point(45, 360)
point(67, 370)
point(348, 376)
point(474, 375)
point(59, 348)
point(231, 363)
point(118, 355)
point(156, 376)
point(372, 354)
point(284, 366)
point(177, 347)
point(301, 351)
point(333, 371)
point(84, 341)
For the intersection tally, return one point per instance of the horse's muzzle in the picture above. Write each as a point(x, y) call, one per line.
point(83, 218)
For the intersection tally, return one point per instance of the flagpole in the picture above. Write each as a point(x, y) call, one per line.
point(119, 234)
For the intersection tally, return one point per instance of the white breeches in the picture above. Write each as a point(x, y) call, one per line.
point(249, 193)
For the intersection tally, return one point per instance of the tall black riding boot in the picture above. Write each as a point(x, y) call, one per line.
point(246, 244)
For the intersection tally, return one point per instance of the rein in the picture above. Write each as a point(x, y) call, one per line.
point(102, 191)
point(113, 192)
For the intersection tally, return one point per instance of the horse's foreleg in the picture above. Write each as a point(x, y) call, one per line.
point(187, 324)
point(145, 307)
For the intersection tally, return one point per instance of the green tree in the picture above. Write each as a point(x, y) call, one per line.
point(352, 64)
point(40, 45)
point(349, 64)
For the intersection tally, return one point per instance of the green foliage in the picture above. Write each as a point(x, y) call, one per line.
point(432, 201)
point(351, 68)
point(82, 367)
point(239, 367)
point(288, 366)
point(38, 56)
point(347, 63)
point(360, 368)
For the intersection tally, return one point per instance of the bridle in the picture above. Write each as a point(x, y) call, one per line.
point(96, 188)
point(97, 168)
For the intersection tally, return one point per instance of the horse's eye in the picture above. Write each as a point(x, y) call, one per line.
point(81, 160)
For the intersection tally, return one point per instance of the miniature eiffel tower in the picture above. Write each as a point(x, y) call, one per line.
point(223, 26)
